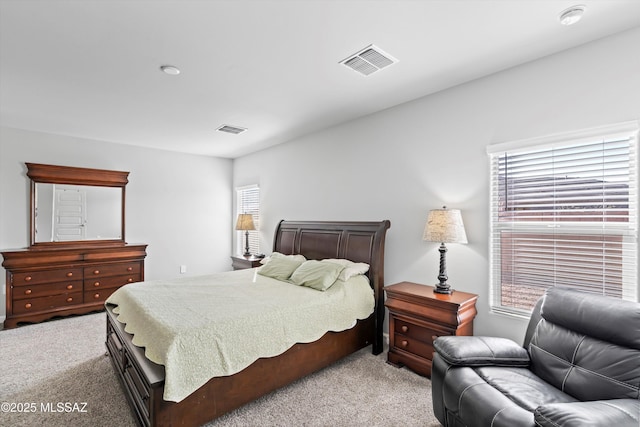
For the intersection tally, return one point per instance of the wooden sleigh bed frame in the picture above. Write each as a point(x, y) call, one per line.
point(143, 380)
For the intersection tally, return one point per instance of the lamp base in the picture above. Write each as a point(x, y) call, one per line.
point(443, 289)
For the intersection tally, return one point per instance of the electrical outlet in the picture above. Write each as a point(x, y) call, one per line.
point(183, 269)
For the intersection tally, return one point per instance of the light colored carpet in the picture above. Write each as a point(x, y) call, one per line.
point(48, 367)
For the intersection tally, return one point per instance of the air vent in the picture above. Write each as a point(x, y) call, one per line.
point(369, 60)
point(231, 129)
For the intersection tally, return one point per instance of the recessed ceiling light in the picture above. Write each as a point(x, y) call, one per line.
point(572, 15)
point(170, 69)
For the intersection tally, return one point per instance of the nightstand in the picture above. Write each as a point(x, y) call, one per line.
point(417, 316)
point(239, 262)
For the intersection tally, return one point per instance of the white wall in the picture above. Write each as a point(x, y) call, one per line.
point(179, 204)
point(400, 163)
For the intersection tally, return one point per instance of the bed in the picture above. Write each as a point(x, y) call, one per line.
point(144, 381)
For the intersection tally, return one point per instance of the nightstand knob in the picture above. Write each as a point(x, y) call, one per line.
point(404, 343)
point(129, 268)
point(27, 305)
point(404, 328)
point(96, 271)
point(96, 284)
point(130, 280)
point(27, 292)
point(69, 287)
point(433, 338)
point(70, 274)
point(70, 299)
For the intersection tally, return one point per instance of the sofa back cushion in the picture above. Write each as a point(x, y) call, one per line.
point(588, 345)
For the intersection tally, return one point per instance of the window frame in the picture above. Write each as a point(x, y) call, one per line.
point(254, 235)
point(628, 231)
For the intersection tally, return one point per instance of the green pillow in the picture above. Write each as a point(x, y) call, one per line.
point(317, 275)
point(280, 268)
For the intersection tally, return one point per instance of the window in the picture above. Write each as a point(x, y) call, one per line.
point(249, 202)
point(564, 212)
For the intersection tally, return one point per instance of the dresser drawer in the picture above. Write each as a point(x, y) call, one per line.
point(31, 305)
point(48, 276)
point(139, 388)
point(97, 283)
point(114, 345)
point(48, 289)
point(414, 331)
point(106, 270)
point(99, 295)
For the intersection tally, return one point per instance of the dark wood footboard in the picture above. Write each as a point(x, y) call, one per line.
point(143, 380)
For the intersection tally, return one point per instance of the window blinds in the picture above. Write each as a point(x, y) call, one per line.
point(564, 214)
point(249, 203)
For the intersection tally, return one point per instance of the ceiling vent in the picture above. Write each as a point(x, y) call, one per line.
point(369, 60)
point(231, 129)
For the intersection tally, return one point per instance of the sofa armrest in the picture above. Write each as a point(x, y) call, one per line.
point(481, 351)
point(615, 412)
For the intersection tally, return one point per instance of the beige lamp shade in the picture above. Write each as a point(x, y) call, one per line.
point(445, 226)
point(245, 222)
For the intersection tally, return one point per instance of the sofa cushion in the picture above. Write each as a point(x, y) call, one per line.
point(593, 315)
point(522, 387)
point(619, 413)
point(588, 366)
point(476, 403)
point(481, 351)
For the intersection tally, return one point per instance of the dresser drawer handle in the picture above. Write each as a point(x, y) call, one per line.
point(70, 274)
point(96, 284)
point(69, 287)
point(69, 299)
point(96, 271)
point(129, 268)
point(27, 292)
point(27, 279)
point(404, 328)
point(404, 343)
point(130, 279)
point(96, 296)
point(27, 305)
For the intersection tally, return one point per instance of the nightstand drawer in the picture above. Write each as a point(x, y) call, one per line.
point(414, 331)
point(414, 346)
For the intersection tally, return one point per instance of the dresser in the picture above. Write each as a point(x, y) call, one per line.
point(417, 316)
point(45, 283)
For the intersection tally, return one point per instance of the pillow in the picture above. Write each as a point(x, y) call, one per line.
point(265, 260)
point(316, 274)
point(350, 268)
point(280, 268)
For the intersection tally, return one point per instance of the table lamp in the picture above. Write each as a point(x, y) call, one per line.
point(245, 223)
point(444, 226)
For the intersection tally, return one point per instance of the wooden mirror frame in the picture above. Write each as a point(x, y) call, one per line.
point(51, 174)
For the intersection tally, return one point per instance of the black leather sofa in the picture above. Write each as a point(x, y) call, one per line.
point(579, 366)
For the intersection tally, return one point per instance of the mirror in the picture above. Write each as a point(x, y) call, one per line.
point(71, 205)
point(77, 212)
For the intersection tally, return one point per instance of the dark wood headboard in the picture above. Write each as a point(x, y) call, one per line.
point(355, 241)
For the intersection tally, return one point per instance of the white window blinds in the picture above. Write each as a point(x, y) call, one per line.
point(564, 212)
point(249, 203)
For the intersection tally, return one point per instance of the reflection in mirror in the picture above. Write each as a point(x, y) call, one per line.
point(77, 212)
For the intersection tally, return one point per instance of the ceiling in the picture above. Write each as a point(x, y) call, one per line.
point(91, 68)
